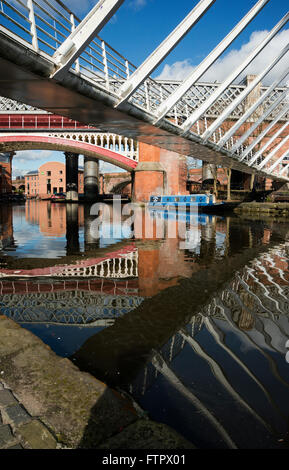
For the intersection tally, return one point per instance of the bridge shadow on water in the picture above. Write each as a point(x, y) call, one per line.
point(145, 354)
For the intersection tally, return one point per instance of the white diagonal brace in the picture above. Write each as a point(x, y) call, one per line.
point(161, 52)
point(262, 135)
point(268, 143)
point(89, 27)
point(272, 167)
point(229, 109)
point(284, 170)
point(252, 109)
point(196, 115)
point(259, 121)
point(274, 151)
point(33, 29)
point(182, 89)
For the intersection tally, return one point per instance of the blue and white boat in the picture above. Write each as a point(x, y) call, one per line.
point(196, 202)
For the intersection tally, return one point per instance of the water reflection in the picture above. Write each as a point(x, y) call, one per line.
point(194, 329)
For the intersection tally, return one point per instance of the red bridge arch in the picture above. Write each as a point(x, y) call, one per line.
point(10, 143)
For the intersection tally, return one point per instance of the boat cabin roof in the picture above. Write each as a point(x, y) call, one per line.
point(178, 198)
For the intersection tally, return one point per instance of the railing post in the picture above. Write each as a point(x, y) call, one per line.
point(127, 69)
point(33, 29)
point(73, 46)
point(176, 114)
point(147, 95)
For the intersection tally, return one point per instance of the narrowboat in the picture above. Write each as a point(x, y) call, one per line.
point(192, 202)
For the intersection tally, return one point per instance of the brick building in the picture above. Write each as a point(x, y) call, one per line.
point(5, 173)
point(50, 178)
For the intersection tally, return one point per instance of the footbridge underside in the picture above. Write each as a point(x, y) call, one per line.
point(25, 76)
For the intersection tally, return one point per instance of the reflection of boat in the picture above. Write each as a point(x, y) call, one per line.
point(58, 197)
point(195, 202)
point(183, 216)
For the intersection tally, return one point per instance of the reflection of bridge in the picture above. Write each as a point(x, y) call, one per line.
point(78, 69)
point(121, 264)
point(73, 308)
point(254, 309)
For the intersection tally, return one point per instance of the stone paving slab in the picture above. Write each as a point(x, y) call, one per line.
point(7, 398)
point(14, 423)
point(46, 402)
point(36, 435)
point(16, 414)
point(73, 405)
point(6, 435)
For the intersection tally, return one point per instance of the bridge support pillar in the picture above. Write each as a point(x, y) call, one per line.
point(149, 179)
point(71, 166)
point(91, 176)
point(208, 171)
point(158, 172)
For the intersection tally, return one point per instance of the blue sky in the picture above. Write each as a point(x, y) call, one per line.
point(139, 26)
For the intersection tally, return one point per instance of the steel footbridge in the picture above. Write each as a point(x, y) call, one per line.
point(52, 60)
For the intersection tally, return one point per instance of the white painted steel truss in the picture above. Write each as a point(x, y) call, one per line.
point(210, 114)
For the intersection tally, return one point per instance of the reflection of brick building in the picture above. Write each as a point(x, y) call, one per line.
point(5, 173)
point(6, 226)
point(50, 178)
point(50, 217)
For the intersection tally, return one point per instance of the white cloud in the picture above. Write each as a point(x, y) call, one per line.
point(32, 155)
point(105, 167)
point(177, 71)
point(220, 70)
point(24, 156)
point(19, 172)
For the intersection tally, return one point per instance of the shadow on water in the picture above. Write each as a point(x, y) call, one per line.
point(108, 417)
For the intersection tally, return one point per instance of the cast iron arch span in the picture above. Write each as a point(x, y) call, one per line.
point(26, 142)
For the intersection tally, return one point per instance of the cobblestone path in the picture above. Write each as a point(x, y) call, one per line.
point(19, 430)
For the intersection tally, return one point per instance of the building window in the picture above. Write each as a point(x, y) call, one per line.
point(60, 172)
point(60, 180)
point(48, 173)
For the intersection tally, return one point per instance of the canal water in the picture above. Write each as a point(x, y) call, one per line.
point(190, 317)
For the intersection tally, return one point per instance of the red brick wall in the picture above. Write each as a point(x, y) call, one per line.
point(5, 177)
point(109, 181)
